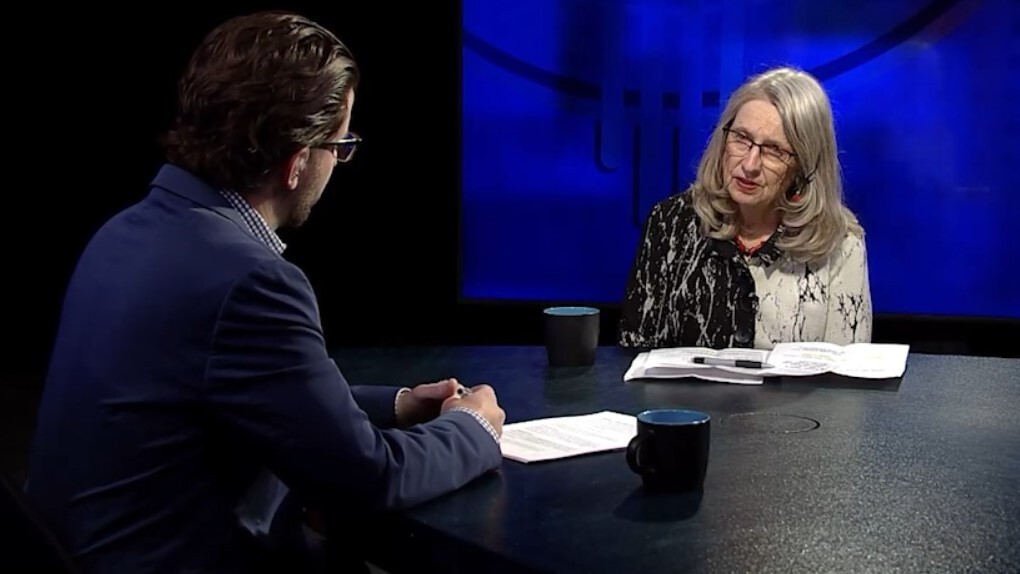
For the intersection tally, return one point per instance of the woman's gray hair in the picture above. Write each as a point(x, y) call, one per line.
point(816, 224)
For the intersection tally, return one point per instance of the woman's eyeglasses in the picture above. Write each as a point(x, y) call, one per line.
point(740, 144)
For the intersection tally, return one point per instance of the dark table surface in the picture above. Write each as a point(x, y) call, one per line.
point(822, 474)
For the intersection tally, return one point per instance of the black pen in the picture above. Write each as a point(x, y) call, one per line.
point(731, 363)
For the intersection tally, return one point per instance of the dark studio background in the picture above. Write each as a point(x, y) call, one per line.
point(93, 89)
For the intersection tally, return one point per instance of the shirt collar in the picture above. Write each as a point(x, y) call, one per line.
point(767, 254)
point(255, 222)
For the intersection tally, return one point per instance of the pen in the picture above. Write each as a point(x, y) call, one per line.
point(461, 391)
point(731, 363)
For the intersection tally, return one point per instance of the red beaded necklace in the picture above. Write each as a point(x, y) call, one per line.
point(743, 248)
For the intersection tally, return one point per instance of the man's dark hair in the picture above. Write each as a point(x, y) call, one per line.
point(257, 89)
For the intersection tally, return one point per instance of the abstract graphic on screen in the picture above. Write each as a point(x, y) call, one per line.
point(579, 115)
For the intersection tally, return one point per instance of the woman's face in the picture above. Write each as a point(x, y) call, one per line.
point(757, 157)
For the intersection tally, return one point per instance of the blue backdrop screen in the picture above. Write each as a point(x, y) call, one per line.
point(579, 115)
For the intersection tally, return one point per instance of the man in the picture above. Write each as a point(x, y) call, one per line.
point(190, 354)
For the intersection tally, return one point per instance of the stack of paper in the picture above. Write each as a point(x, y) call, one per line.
point(561, 437)
point(860, 360)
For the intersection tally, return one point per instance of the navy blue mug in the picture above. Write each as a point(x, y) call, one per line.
point(571, 335)
point(670, 449)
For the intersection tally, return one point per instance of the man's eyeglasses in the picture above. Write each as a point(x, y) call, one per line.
point(343, 149)
point(739, 144)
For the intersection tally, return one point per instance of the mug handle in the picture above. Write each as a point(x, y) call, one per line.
point(634, 448)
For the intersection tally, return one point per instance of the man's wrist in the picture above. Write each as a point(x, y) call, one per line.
point(481, 420)
point(398, 415)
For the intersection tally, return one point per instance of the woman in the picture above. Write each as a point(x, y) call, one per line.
point(761, 248)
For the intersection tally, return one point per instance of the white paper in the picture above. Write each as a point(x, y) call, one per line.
point(678, 362)
point(562, 437)
point(858, 360)
point(258, 506)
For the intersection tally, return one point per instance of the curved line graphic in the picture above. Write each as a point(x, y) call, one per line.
point(631, 97)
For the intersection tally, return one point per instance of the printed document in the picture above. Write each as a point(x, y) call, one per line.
point(857, 360)
point(561, 437)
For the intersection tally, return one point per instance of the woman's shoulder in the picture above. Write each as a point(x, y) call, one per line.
point(677, 207)
point(853, 243)
point(851, 248)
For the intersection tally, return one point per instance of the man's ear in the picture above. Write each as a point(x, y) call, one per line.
point(295, 167)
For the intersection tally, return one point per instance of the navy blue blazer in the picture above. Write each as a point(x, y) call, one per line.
point(189, 355)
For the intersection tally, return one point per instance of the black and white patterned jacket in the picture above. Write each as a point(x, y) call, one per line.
point(686, 290)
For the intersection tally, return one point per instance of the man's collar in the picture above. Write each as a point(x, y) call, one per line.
point(256, 223)
point(182, 182)
point(179, 181)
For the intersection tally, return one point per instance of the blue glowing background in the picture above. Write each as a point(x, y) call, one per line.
point(578, 115)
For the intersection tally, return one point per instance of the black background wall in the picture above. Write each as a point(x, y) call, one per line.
point(93, 89)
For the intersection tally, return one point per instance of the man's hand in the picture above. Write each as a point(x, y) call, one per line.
point(482, 400)
point(423, 402)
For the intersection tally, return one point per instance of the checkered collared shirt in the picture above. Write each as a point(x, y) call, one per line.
point(256, 223)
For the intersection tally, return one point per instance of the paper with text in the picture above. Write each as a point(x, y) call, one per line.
point(664, 362)
point(858, 360)
point(562, 437)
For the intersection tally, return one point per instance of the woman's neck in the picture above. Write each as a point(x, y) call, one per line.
point(757, 223)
